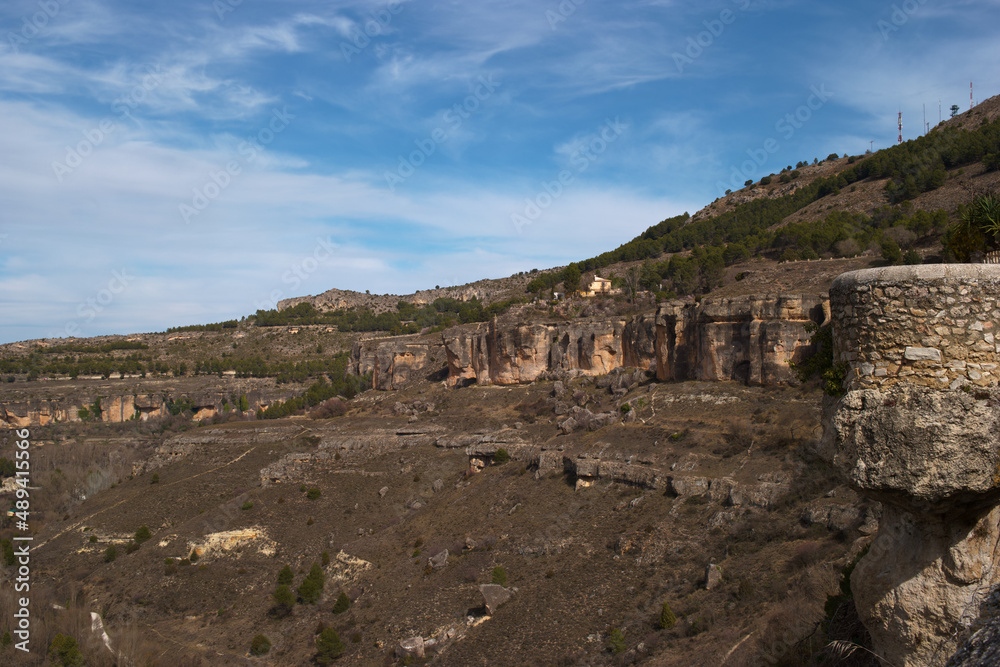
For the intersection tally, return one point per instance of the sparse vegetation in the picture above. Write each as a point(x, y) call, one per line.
point(499, 576)
point(328, 647)
point(260, 645)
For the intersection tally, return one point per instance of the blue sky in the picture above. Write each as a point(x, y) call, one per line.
point(188, 162)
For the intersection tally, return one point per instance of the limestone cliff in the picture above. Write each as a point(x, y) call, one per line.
point(746, 339)
point(919, 430)
point(511, 353)
point(116, 408)
point(749, 339)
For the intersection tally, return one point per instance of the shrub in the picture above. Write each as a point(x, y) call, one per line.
point(667, 617)
point(260, 645)
point(286, 576)
point(194, 556)
point(168, 561)
point(184, 561)
point(110, 554)
point(155, 479)
point(912, 257)
point(766, 180)
point(131, 547)
point(313, 493)
point(64, 651)
point(328, 646)
point(616, 641)
point(325, 558)
point(342, 604)
point(501, 456)
point(142, 534)
point(500, 576)
point(312, 586)
point(93, 538)
point(246, 506)
point(284, 600)
point(891, 252)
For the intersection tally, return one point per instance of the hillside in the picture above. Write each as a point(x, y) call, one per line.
point(491, 474)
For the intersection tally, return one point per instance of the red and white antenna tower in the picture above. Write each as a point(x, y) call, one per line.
point(900, 127)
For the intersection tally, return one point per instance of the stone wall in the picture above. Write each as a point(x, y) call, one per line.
point(918, 429)
point(931, 325)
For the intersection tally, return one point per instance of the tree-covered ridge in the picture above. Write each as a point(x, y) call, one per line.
point(751, 228)
point(406, 319)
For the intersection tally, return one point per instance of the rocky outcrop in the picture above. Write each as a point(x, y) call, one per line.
point(116, 409)
point(746, 339)
point(393, 362)
point(918, 431)
point(501, 353)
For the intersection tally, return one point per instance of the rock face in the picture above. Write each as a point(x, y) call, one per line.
point(749, 339)
point(919, 430)
point(746, 339)
point(501, 353)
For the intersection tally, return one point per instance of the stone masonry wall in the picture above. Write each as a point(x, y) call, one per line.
point(933, 325)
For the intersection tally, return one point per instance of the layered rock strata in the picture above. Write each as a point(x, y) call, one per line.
point(919, 430)
point(746, 339)
point(504, 354)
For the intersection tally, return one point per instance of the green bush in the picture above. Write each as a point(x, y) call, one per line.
point(616, 641)
point(766, 180)
point(93, 539)
point(110, 554)
point(328, 646)
point(260, 645)
point(65, 652)
point(142, 534)
point(312, 586)
point(313, 493)
point(284, 600)
point(500, 576)
point(194, 556)
point(667, 617)
point(155, 479)
point(342, 604)
point(247, 506)
point(912, 257)
point(131, 547)
point(286, 576)
point(502, 456)
point(325, 558)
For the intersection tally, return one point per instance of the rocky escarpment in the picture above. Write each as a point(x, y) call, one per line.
point(919, 430)
point(746, 339)
point(116, 409)
point(499, 353)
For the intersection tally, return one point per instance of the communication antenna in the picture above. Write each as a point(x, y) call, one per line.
point(925, 118)
point(900, 127)
point(970, 96)
point(871, 146)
